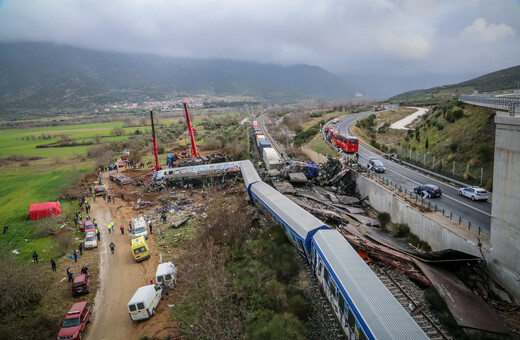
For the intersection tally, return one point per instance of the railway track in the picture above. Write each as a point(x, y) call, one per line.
point(418, 310)
point(274, 143)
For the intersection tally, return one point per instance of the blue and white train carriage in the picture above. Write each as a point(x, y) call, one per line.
point(361, 302)
point(297, 223)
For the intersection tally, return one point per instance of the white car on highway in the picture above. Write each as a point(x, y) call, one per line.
point(475, 193)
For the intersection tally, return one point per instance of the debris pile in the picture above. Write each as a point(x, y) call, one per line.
point(331, 172)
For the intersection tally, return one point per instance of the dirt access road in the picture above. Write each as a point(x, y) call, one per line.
point(120, 276)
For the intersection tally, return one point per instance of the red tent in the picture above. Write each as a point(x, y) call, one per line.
point(44, 210)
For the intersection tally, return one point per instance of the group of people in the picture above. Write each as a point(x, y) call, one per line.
point(110, 227)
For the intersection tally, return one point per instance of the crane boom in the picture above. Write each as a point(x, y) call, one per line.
point(156, 154)
point(194, 152)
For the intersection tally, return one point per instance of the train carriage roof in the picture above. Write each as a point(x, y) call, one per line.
point(302, 222)
point(379, 309)
point(249, 173)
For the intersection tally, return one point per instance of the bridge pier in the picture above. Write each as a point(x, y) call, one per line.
point(504, 261)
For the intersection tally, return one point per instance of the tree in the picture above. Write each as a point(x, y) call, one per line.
point(118, 131)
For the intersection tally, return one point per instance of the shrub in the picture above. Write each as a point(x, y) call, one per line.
point(212, 143)
point(64, 240)
point(161, 150)
point(384, 218)
point(118, 131)
point(47, 226)
point(284, 326)
point(20, 292)
point(457, 114)
point(403, 230)
point(454, 146)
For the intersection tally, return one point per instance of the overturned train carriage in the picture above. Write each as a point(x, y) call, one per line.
point(362, 304)
point(197, 174)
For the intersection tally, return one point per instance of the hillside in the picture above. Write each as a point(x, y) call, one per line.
point(43, 76)
point(505, 79)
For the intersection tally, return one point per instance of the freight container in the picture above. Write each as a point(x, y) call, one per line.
point(259, 138)
point(262, 144)
point(271, 159)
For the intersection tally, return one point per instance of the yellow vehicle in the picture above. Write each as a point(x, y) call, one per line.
point(140, 249)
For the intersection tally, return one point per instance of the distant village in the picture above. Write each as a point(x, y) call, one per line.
point(198, 102)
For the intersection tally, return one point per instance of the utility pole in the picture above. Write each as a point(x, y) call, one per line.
point(156, 154)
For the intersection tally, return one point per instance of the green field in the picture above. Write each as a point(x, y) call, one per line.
point(23, 142)
point(19, 188)
point(25, 182)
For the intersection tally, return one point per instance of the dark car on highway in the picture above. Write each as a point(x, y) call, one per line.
point(428, 190)
point(376, 165)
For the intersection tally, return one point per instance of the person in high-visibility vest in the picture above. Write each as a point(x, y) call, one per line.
point(109, 227)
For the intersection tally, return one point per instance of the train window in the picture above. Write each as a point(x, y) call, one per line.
point(351, 319)
point(326, 276)
point(333, 288)
point(341, 302)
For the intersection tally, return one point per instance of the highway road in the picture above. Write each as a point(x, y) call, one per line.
point(477, 212)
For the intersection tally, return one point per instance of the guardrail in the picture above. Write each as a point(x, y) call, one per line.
point(428, 204)
point(508, 104)
point(410, 193)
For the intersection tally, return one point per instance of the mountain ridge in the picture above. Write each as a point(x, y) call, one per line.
point(50, 76)
point(505, 79)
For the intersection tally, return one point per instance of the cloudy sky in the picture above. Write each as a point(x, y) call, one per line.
point(385, 37)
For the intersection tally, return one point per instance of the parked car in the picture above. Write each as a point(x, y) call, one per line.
point(83, 225)
point(81, 284)
point(90, 229)
point(121, 164)
point(75, 321)
point(475, 193)
point(428, 190)
point(375, 165)
point(90, 240)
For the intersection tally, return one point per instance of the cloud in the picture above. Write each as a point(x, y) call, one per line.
point(481, 30)
point(411, 46)
point(383, 36)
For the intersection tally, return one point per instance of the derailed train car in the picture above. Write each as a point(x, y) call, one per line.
point(362, 304)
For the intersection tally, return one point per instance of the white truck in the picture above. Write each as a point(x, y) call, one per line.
point(139, 228)
point(271, 159)
point(166, 272)
point(144, 302)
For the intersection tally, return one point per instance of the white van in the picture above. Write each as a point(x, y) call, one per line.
point(166, 272)
point(139, 227)
point(144, 302)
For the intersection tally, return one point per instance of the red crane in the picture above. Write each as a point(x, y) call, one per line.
point(156, 154)
point(194, 152)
